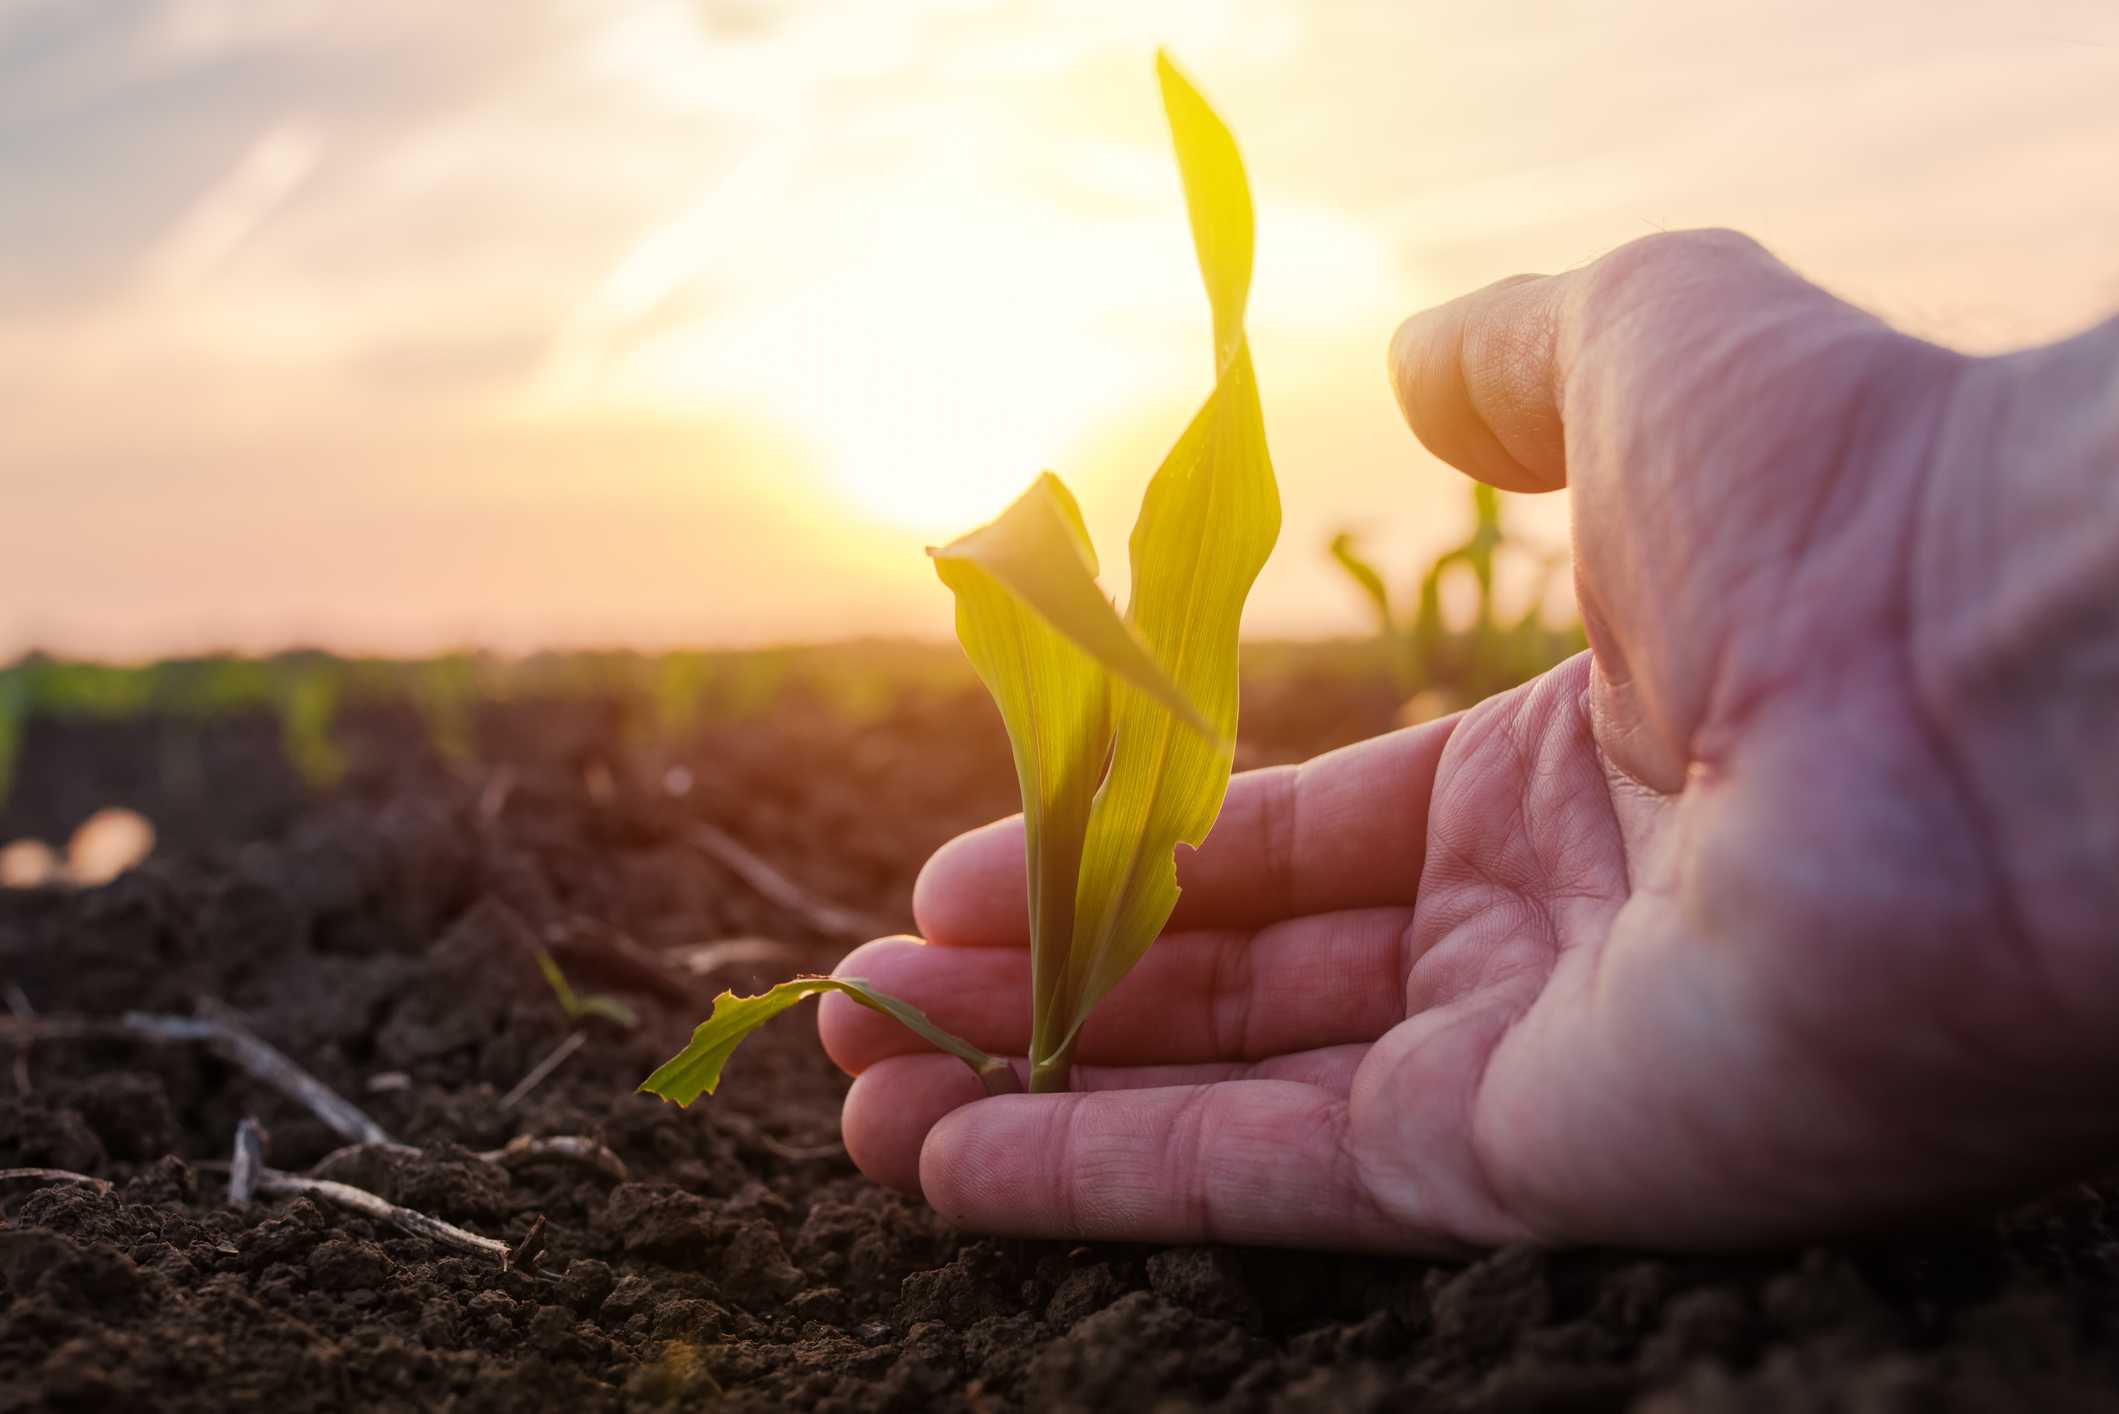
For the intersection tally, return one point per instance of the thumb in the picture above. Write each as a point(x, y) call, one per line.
point(1475, 379)
point(1485, 381)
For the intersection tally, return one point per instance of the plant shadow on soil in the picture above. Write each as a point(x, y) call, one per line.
point(386, 929)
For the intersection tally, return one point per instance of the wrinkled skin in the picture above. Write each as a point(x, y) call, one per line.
point(1793, 905)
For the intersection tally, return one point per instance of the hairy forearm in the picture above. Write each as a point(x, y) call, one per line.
point(2015, 612)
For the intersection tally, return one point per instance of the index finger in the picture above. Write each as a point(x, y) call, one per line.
point(1345, 830)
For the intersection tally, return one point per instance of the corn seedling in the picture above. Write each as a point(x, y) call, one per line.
point(14, 698)
point(1122, 729)
point(445, 691)
point(578, 1005)
point(308, 707)
point(1491, 654)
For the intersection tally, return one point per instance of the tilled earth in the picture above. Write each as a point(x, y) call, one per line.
point(383, 936)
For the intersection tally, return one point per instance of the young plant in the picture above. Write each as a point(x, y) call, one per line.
point(1489, 655)
point(308, 706)
point(14, 704)
point(578, 1005)
point(1122, 729)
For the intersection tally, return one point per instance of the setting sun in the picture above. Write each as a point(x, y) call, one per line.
point(933, 369)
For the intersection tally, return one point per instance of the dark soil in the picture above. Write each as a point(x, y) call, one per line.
point(381, 934)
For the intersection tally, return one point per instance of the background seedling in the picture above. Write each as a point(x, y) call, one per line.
point(578, 1005)
point(308, 708)
point(14, 706)
point(1490, 654)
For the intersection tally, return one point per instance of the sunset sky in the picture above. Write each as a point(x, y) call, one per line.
point(402, 324)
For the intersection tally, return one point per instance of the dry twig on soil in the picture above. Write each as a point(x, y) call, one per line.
point(830, 919)
point(248, 1162)
point(558, 1148)
point(523, 1150)
point(237, 1043)
point(800, 1153)
point(274, 1183)
point(604, 951)
point(530, 1251)
point(18, 1006)
point(555, 1058)
point(248, 1174)
point(101, 1185)
point(222, 1032)
point(747, 1130)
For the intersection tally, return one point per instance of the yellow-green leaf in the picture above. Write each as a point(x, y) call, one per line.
point(575, 1005)
point(1123, 729)
point(1218, 197)
point(696, 1070)
point(1348, 555)
point(1207, 525)
point(1041, 635)
point(1038, 551)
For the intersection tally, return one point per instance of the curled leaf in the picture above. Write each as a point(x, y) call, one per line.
point(1038, 552)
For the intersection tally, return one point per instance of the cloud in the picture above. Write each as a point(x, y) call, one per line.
point(228, 213)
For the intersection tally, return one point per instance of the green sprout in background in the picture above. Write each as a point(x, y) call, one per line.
point(1123, 729)
point(445, 691)
point(578, 1005)
point(1490, 655)
point(14, 705)
point(308, 704)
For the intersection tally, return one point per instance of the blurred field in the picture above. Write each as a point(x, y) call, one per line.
point(169, 729)
point(217, 745)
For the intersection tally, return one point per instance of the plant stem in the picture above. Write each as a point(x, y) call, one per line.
point(1050, 1075)
point(998, 1077)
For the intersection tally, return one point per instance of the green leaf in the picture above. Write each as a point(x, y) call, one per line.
point(1053, 696)
point(1207, 525)
point(1365, 575)
point(1123, 730)
point(1037, 552)
point(696, 1070)
point(14, 700)
point(1043, 639)
point(308, 708)
point(575, 1005)
point(1218, 197)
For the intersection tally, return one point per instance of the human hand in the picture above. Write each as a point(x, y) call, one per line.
point(1788, 907)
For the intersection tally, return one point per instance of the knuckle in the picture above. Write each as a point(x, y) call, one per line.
point(1280, 818)
point(1191, 1146)
point(1642, 269)
point(1068, 1167)
point(1229, 1003)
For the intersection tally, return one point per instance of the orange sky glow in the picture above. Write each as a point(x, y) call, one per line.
point(403, 326)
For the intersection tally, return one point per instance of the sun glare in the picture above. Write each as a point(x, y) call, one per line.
point(928, 439)
point(970, 350)
point(938, 387)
